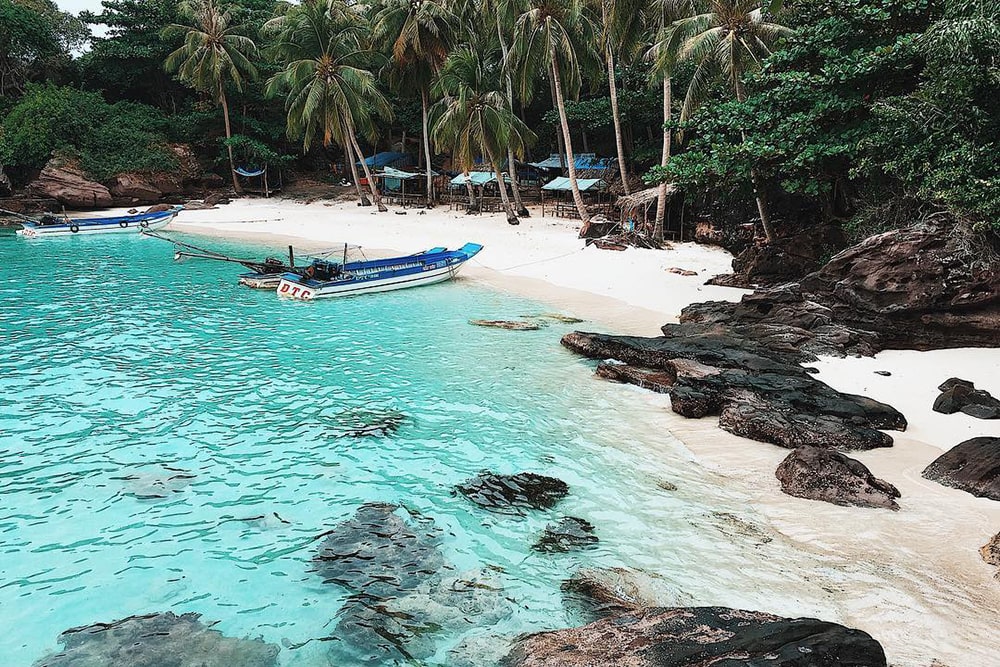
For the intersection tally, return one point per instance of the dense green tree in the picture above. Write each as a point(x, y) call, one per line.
point(36, 40)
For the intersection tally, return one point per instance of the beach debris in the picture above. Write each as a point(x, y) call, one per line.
point(158, 485)
point(511, 325)
point(665, 485)
point(757, 391)
point(681, 272)
point(598, 592)
point(609, 245)
point(959, 395)
point(818, 473)
point(991, 551)
point(883, 373)
point(973, 466)
point(699, 636)
point(512, 494)
point(158, 639)
point(734, 526)
point(365, 423)
point(568, 534)
point(558, 317)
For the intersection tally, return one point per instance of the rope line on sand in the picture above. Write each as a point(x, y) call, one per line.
point(540, 261)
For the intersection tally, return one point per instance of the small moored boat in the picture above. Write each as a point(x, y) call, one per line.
point(324, 278)
point(53, 225)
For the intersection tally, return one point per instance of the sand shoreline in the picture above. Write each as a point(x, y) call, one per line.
point(925, 594)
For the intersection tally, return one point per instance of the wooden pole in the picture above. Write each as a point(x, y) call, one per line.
point(291, 257)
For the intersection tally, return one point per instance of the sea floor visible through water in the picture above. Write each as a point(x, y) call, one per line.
point(170, 441)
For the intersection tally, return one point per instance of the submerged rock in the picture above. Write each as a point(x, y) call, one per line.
point(820, 474)
point(511, 325)
point(511, 494)
point(570, 533)
point(959, 395)
point(159, 485)
point(973, 466)
point(378, 553)
point(362, 423)
point(700, 637)
point(479, 651)
point(600, 592)
point(157, 640)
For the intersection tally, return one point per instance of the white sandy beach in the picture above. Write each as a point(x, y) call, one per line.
point(913, 578)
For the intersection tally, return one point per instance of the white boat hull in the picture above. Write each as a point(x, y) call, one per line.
point(293, 290)
point(41, 231)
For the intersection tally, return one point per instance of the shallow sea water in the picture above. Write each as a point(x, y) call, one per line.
point(122, 371)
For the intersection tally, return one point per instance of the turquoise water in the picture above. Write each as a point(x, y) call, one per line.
point(124, 374)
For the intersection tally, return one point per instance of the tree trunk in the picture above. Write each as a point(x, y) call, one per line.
point(570, 159)
point(511, 216)
point(617, 120)
point(511, 166)
point(368, 174)
point(661, 195)
point(427, 150)
point(229, 135)
point(759, 187)
point(559, 135)
point(349, 152)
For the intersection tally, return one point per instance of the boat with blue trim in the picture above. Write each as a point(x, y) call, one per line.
point(54, 225)
point(324, 278)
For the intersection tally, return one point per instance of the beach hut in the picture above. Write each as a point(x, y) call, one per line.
point(260, 175)
point(393, 183)
point(637, 211)
point(485, 190)
point(593, 190)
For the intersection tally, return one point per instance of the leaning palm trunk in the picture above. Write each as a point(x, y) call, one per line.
point(570, 158)
point(759, 187)
point(616, 117)
point(661, 194)
point(349, 152)
point(229, 135)
point(368, 174)
point(511, 165)
point(511, 216)
point(427, 150)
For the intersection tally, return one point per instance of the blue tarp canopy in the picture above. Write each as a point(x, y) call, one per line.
point(476, 177)
point(389, 172)
point(380, 160)
point(581, 161)
point(562, 184)
point(248, 173)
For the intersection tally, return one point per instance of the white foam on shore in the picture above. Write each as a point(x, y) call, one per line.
point(913, 578)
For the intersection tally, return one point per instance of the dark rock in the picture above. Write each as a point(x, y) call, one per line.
point(973, 466)
point(980, 411)
point(883, 373)
point(211, 182)
point(570, 533)
point(217, 199)
point(512, 325)
point(951, 400)
point(157, 640)
point(66, 182)
point(959, 395)
point(378, 553)
point(787, 258)
point(991, 551)
point(511, 494)
point(600, 592)
point(682, 272)
point(711, 371)
point(135, 186)
point(699, 637)
point(821, 474)
point(950, 383)
point(158, 208)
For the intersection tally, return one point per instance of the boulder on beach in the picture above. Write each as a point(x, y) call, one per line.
point(67, 183)
point(699, 637)
point(157, 640)
point(959, 395)
point(818, 473)
point(135, 186)
point(991, 551)
point(512, 494)
point(973, 466)
point(568, 534)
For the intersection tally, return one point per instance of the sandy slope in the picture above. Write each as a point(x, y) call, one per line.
point(913, 579)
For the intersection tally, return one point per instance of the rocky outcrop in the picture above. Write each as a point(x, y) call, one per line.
point(991, 551)
point(568, 534)
point(973, 466)
point(66, 182)
point(700, 637)
point(157, 639)
point(820, 474)
point(757, 394)
point(959, 395)
point(512, 494)
point(788, 258)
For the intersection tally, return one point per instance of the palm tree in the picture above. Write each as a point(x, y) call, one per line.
point(422, 34)
point(725, 38)
point(555, 36)
point(328, 91)
point(214, 53)
point(623, 23)
point(475, 119)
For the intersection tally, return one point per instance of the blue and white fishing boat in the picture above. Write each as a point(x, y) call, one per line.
point(53, 225)
point(324, 278)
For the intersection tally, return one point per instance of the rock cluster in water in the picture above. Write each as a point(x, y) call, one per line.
point(699, 637)
point(403, 590)
point(973, 466)
point(959, 395)
point(822, 474)
point(362, 423)
point(568, 534)
point(512, 494)
point(157, 640)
